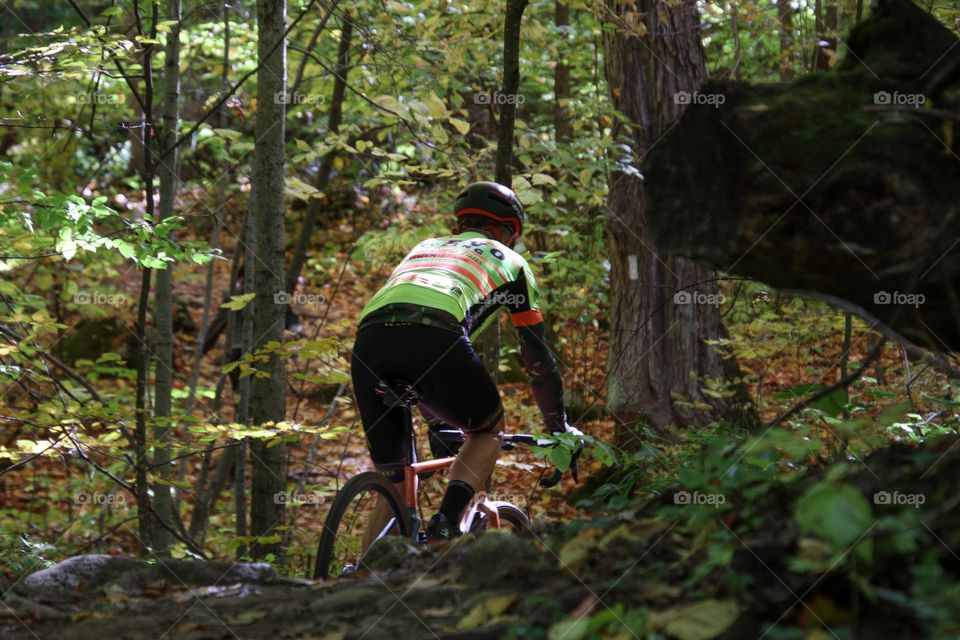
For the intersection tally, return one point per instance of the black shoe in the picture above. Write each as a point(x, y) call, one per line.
point(441, 529)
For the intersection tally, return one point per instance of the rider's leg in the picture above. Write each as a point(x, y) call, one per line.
point(380, 517)
point(477, 459)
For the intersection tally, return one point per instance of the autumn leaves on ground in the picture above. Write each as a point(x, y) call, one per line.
point(648, 545)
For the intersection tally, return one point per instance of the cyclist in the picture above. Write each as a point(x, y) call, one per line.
point(419, 328)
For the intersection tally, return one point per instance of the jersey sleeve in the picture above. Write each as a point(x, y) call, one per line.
point(525, 307)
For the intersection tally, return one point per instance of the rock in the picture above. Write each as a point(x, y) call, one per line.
point(91, 573)
point(390, 552)
point(499, 558)
point(361, 598)
point(88, 572)
point(196, 573)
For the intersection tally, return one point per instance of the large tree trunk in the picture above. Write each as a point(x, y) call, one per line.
point(267, 399)
point(837, 183)
point(658, 352)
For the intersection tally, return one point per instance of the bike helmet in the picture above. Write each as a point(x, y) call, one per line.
point(491, 200)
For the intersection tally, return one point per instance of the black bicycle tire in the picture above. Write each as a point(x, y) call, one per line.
point(368, 480)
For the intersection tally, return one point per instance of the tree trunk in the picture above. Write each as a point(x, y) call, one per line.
point(488, 343)
point(837, 183)
point(561, 75)
point(511, 87)
point(785, 19)
point(163, 302)
point(267, 397)
point(144, 520)
point(663, 309)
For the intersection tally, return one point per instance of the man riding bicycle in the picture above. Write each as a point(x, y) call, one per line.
point(420, 326)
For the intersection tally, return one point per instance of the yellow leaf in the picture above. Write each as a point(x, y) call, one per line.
point(696, 621)
point(486, 611)
point(435, 106)
point(575, 552)
point(460, 125)
point(236, 303)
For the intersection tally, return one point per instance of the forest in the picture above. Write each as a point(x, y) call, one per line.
point(730, 390)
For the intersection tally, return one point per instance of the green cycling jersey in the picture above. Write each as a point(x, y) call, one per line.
point(468, 276)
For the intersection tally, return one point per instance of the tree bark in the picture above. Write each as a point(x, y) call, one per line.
point(785, 20)
point(267, 396)
point(163, 302)
point(659, 357)
point(145, 523)
point(511, 88)
point(561, 75)
point(828, 184)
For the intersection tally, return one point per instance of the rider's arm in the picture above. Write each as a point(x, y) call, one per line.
point(545, 380)
point(538, 361)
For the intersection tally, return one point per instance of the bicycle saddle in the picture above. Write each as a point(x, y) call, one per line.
point(397, 393)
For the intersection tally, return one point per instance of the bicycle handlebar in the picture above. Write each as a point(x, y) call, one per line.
point(511, 440)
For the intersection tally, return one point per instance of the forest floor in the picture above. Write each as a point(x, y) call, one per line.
point(646, 567)
point(652, 569)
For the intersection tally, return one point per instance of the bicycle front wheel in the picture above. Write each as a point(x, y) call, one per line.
point(345, 537)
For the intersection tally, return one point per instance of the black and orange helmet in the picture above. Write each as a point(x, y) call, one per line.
point(491, 200)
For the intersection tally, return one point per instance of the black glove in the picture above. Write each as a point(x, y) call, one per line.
point(574, 466)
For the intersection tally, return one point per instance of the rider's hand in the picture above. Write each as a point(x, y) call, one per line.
point(574, 465)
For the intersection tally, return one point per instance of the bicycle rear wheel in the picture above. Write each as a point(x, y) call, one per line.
point(341, 543)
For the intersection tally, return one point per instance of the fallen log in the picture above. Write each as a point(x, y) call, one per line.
point(845, 182)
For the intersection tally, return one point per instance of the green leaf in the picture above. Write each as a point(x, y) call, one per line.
point(569, 629)
point(560, 456)
point(835, 512)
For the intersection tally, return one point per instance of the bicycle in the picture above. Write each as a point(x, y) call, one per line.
point(342, 541)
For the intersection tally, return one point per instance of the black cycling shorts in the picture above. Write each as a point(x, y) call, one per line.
point(443, 367)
